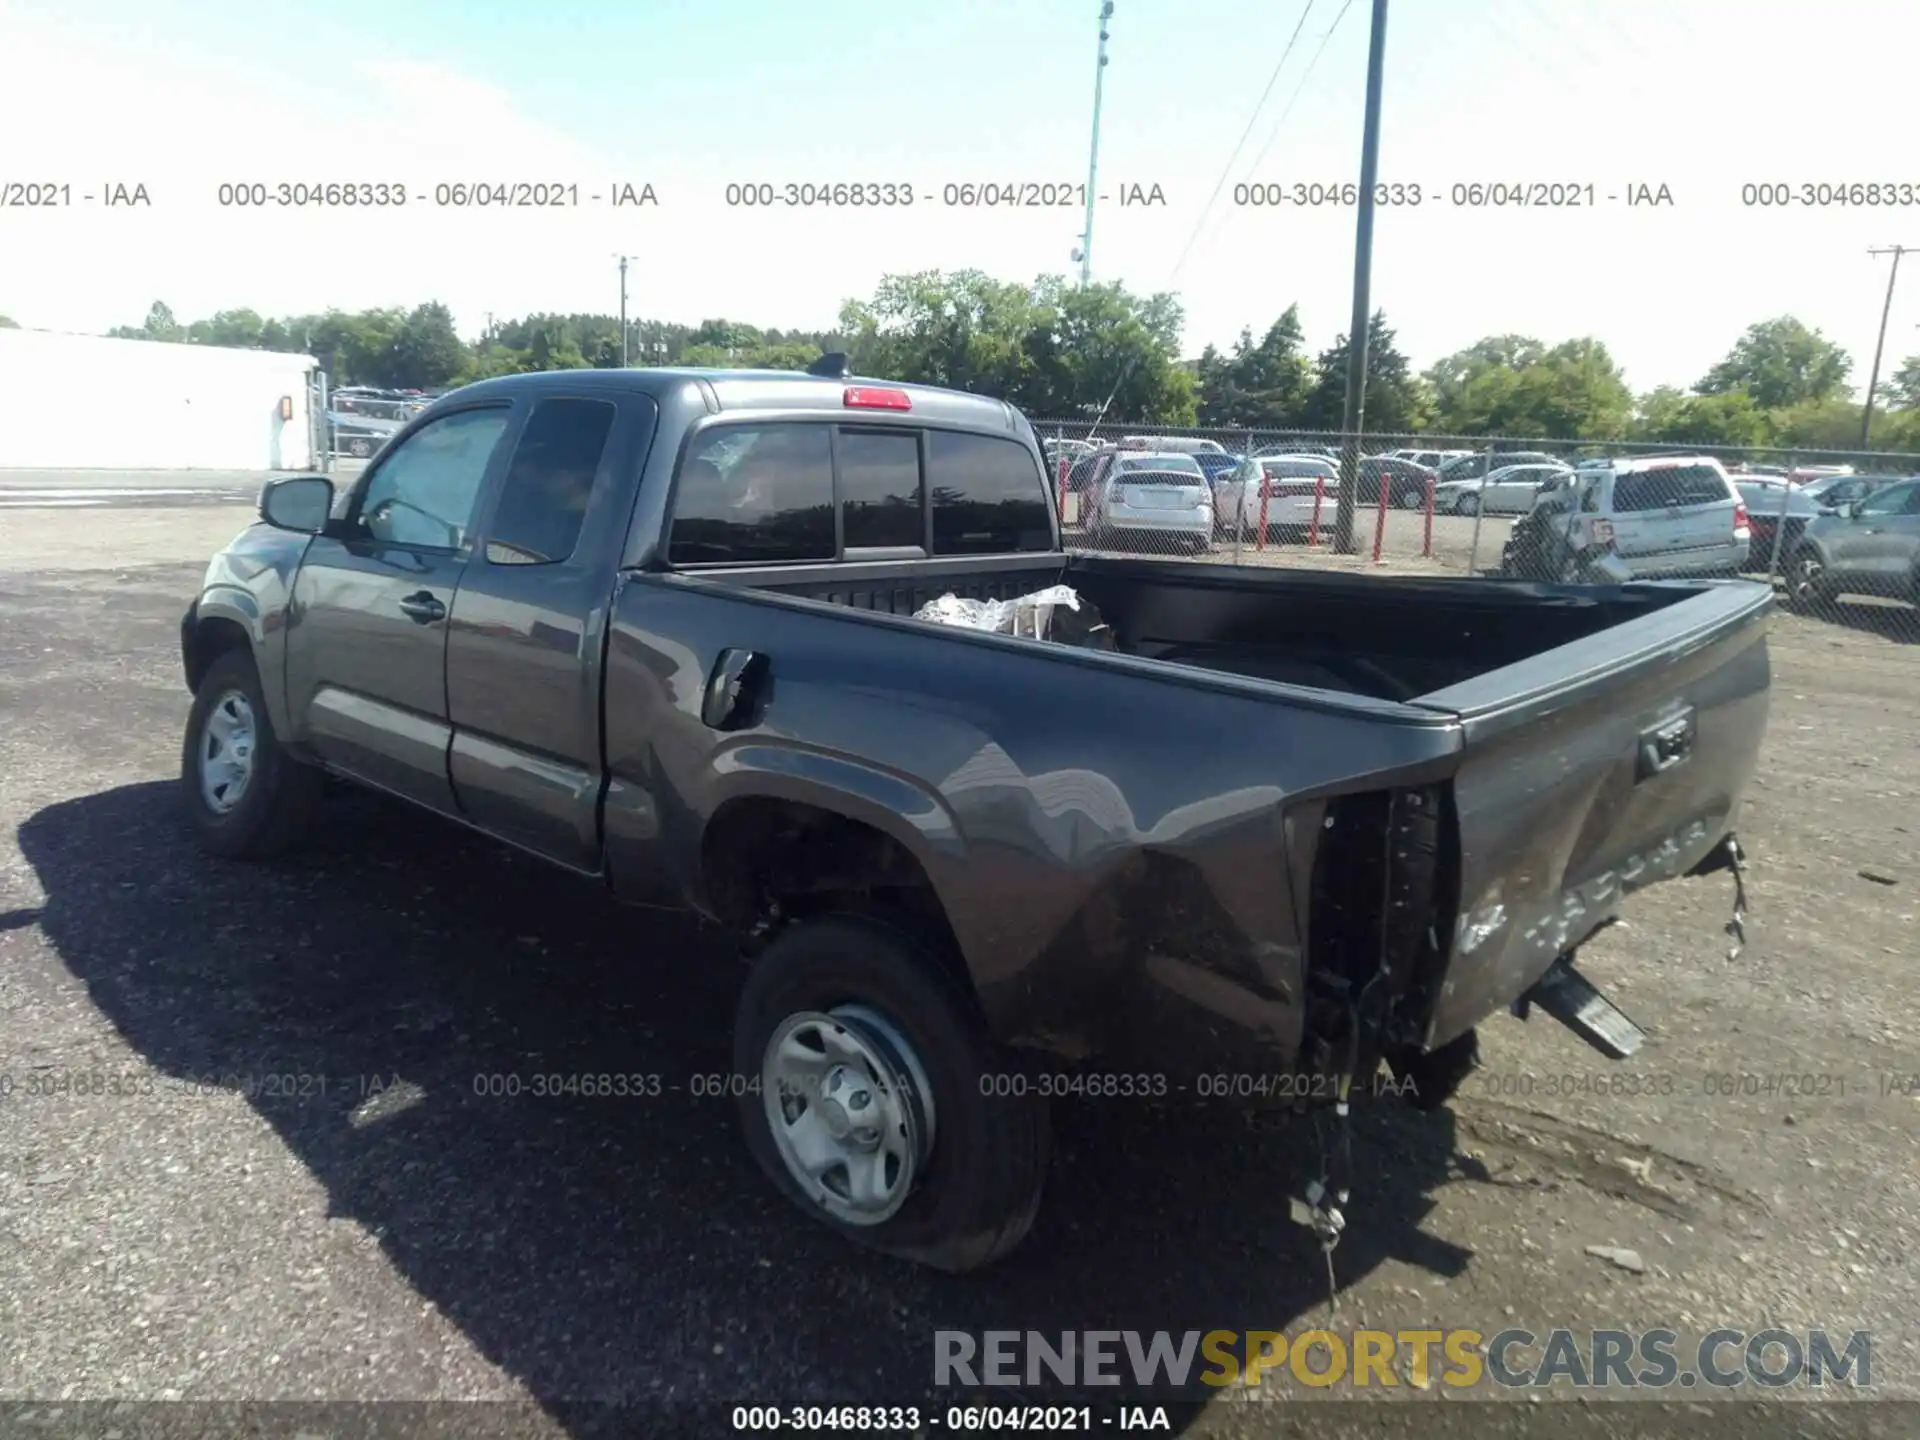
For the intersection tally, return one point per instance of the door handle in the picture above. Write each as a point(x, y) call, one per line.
point(422, 608)
point(732, 689)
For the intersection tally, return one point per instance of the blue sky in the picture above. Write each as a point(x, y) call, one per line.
point(1699, 95)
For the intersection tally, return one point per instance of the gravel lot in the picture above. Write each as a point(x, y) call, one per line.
point(369, 1227)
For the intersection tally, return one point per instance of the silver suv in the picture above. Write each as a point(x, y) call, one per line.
point(1664, 515)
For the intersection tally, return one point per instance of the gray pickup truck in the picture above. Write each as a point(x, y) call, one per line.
point(660, 627)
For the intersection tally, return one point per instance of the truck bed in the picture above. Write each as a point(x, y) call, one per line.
point(1592, 740)
point(1390, 639)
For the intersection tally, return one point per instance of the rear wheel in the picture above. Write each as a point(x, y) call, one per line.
point(1467, 505)
point(1413, 500)
point(870, 1096)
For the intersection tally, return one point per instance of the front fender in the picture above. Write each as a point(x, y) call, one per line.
point(249, 587)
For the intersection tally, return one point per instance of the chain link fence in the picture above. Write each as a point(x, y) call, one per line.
point(1837, 533)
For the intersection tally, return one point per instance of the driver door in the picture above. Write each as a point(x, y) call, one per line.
point(367, 631)
point(1868, 546)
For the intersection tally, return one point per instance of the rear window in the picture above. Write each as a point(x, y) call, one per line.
point(1659, 489)
point(1179, 469)
point(1293, 469)
point(755, 493)
point(987, 496)
point(880, 489)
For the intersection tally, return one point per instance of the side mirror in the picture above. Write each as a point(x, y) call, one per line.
point(298, 502)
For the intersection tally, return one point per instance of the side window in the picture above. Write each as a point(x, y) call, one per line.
point(424, 491)
point(1699, 485)
point(543, 500)
point(1894, 500)
point(1643, 490)
point(880, 501)
point(760, 494)
point(987, 496)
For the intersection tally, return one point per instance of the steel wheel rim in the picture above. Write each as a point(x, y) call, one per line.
point(1806, 578)
point(850, 1110)
point(226, 752)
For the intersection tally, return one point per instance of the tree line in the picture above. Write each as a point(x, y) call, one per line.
point(1060, 351)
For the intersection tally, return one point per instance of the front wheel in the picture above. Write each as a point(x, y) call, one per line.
point(869, 1096)
point(1467, 505)
point(246, 798)
point(1413, 500)
point(1807, 584)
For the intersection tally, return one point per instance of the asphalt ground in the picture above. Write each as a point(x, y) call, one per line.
point(298, 1188)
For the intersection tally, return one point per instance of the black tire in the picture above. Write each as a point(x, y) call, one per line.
point(979, 1190)
point(1806, 581)
point(281, 795)
point(1467, 505)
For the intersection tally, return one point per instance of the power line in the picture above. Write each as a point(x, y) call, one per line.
point(1880, 345)
point(1298, 90)
point(1252, 120)
point(1219, 185)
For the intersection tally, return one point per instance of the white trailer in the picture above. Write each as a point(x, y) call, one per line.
point(84, 402)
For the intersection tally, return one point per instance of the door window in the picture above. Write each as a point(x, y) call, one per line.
point(543, 500)
point(1894, 500)
point(426, 488)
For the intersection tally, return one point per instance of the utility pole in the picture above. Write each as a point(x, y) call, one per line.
point(1880, 345)
point(1085, 253)
point(1356, 412)
point(623, 310)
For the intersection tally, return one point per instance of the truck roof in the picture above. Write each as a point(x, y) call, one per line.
point(783, 390)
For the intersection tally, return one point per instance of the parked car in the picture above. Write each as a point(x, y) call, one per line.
point(1160, 498)
point(1069, 450)
point(1777, 514)
point(1431, 459)
point(1172, 444)
point(1214, 465)
point(1293, 485)
point(1507, 491)
point(1667, 516)
point(1266, 452)
point(670, 630)
point(1871, 547)
point(1803, 473)
point(1830, 492)
point(1407, 482)
point(1473, 466)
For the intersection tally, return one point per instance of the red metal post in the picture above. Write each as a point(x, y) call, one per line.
point(1380, 521)
point(1265, 486)
point(1426, 541)
point(1319, 497)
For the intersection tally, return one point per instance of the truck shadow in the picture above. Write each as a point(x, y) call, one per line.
point(618, 1251)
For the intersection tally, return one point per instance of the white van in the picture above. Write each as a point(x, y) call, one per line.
point(1666, 515)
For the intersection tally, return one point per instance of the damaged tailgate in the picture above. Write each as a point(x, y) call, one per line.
point(1587, 772)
